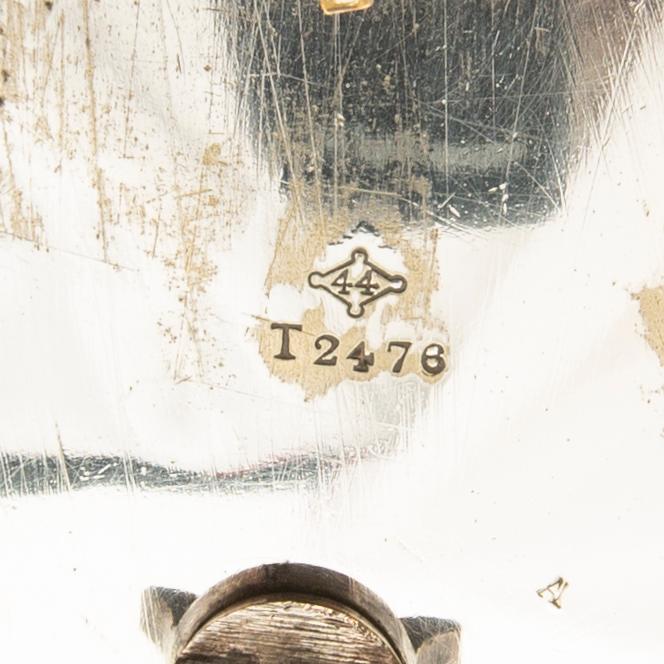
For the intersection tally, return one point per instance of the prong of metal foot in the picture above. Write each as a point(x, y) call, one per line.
point(161, 611)
point(435, 641)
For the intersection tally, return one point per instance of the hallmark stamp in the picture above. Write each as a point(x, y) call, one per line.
point(554, 592)
point(358, 282)
point(368, 318)
point(431, 358)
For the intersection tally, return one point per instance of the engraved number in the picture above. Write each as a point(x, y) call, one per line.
point(363, 361)
point(366, 284)
point(342, 282)
point(405, 346)
point(326, 359)
point(433, 359)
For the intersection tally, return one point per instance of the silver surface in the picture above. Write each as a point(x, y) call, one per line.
point(171, 172)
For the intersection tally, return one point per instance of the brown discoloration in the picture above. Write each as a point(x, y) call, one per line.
point(19, 218)
point(29, 51)
point(102, 201)
point(12, 37)
point(304, 234)
point(200, 234)
point(316, 380)
point(651, 306)
point(91, 130)
point(212, 155)
point(22, 221)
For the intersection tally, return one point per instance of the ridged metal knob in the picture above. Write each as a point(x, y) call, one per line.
point(291, 613)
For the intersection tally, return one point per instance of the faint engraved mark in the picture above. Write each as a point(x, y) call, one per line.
point(554, 591)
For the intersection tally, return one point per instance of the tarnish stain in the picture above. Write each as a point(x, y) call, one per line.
point(316, 380)
point(651, 307)
point(207, 213)
point(182, 263)
point(12, 37)
point(19, 220)
point(302, 238)
point(61, 94)
point(23, 222)
point(198, 234)
point(132, 73)
point(94, 138)
point(212, 155)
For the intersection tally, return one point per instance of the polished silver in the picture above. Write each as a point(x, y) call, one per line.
point(172, 173)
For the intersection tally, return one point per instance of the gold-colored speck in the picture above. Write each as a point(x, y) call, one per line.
point(341, 6)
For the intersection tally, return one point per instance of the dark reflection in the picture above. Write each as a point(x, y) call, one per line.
point(460, 108)
point(29, 474)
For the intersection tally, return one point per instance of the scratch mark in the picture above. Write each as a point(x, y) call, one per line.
point(616, 86)
point(180, 55)
point(517, 116)
point(50, 51)
point(29, 225)
point(132, 71)
point(61, 100)
point(24, 238)
point(314, 153)
point(98, 175)
point(62, 461)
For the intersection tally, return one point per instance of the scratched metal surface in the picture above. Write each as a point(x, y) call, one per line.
point(171, 173)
